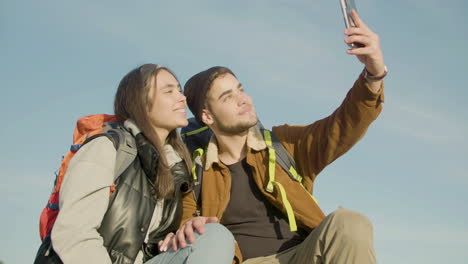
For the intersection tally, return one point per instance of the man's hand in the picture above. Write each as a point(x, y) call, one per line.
point(186, 232)
point(370, 54)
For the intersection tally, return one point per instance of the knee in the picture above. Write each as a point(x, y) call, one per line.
point(217, 232)
point(215, 245)
point(352, 225)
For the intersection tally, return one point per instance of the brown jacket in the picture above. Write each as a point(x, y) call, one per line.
point(313, 147)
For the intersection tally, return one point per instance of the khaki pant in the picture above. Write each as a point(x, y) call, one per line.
point(344, 236)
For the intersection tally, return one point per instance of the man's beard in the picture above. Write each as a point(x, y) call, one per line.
point(235, 129)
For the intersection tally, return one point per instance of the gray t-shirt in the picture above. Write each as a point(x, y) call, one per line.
point(260, 229)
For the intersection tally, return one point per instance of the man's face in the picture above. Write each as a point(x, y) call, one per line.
point(228, 108)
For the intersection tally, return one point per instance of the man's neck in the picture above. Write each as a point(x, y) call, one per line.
point(232, 148)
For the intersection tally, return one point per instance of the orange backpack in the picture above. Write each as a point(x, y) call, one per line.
point(88, 128)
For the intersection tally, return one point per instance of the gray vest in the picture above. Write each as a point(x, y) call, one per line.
point(131, 206)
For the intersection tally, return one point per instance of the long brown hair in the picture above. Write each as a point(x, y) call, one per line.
point(132, 101)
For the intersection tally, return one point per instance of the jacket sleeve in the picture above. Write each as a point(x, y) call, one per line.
point(84, 198)
point(190, 207)
point(316, 145)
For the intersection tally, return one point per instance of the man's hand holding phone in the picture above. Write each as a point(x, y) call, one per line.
point(370, 52)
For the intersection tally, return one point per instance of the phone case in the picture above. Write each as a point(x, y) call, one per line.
point(346, 7)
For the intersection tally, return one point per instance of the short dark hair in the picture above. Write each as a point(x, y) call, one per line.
point(197, 87)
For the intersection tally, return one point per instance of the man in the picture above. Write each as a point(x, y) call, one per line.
point(276, 220)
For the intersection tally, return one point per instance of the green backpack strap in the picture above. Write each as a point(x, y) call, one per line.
point(197, 174)
point(272, 183)
point(283, 158)
point(278, 154)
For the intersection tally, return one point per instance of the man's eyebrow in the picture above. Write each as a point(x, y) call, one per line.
point(224, 93)
point(229, 91)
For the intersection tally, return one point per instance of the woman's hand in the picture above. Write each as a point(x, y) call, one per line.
point(185, 232)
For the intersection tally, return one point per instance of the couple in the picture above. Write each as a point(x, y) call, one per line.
point(246, 216)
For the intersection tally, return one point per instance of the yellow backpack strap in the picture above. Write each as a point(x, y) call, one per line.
point(196, 131)
point(196, 158)
point(272, 182)
point(271, 161)
point(197, 174)
point(296, 175)
point(286, 161)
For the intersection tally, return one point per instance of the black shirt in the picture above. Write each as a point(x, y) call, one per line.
point(260, 228)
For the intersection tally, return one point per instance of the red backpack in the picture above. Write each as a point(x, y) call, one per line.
point(86, 129)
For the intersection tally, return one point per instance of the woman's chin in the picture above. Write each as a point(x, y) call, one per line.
point(181, 123)
point(184, 123)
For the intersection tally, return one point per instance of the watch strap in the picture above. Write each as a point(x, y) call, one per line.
point(370, 77)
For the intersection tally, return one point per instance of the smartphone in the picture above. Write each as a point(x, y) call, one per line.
point(346, 7)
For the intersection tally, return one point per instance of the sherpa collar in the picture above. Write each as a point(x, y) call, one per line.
point(254, 141)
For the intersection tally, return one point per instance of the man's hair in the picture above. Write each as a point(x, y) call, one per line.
point(132, 101)
point(197, 87)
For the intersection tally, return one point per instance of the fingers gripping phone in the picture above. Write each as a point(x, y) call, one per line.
point(346, 7)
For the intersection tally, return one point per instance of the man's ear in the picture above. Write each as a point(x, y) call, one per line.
point(206, 117)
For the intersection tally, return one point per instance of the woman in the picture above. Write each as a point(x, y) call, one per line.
point(145, 202)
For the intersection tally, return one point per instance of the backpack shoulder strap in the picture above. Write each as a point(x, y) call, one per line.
point(195, 135)
point(197, 174)
point(283, 158)
point(126, 149)
point(124, 143)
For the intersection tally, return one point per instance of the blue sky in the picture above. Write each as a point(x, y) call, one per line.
point(61, 60)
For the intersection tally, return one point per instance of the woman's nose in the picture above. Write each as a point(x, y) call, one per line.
point(182, 97)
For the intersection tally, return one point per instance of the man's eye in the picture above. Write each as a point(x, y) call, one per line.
point(227, 97)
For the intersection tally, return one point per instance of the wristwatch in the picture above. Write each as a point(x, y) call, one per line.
point(370, 77)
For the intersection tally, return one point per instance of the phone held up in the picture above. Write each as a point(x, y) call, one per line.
point(346, 7)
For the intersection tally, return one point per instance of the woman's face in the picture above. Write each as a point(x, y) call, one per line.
point(169, 104)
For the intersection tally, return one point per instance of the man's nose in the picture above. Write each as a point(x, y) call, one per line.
point(241, 98)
